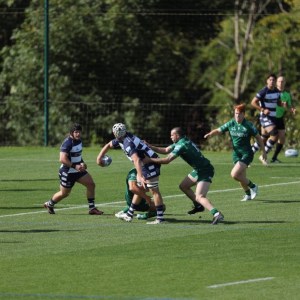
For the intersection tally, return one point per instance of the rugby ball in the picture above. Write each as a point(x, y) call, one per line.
point(291, 153)
point(106, 160)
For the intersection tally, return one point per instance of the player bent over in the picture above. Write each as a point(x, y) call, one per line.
point(201, 175)
point(147, 174)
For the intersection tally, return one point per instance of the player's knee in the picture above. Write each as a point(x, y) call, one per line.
point(273, 132)
point(182, 187)
point(234, 175)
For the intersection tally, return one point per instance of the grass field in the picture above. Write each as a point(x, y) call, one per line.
point(254, 254)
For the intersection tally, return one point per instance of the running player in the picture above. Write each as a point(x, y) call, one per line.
point(241, 131)
point(73, 169)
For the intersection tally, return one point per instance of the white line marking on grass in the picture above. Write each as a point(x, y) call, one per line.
point(239, 282)
point(165, 197)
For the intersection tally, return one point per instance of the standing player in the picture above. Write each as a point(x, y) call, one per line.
point(137, 194)
point(202, 172)
point(147, 174)
point(266, 101)
point(241, 131)
point(73, 169)
point(286, 100)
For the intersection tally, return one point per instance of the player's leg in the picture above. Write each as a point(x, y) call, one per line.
point(201, 192)
point(186, 186)
point(87, 180)
point(66, 184)
point(281, 139)
point(152, 184)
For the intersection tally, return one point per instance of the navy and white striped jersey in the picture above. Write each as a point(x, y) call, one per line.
point(74, 150)
point(133, 144)
point(269, 99)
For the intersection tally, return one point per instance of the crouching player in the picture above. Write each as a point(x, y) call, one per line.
point(137, 194)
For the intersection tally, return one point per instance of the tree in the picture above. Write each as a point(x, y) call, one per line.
point(128, 52)
point(232, 53)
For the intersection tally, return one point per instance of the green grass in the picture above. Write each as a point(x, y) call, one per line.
point(71, 255)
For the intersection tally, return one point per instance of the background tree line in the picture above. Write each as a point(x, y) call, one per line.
point(208, 53)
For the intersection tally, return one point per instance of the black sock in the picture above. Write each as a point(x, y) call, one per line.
point(91, 202)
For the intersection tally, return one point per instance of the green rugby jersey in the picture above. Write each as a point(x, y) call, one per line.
point(190, 153)
point(240, 134)
point(284, 97)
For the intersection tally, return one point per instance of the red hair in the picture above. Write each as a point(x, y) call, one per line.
point(240, 108)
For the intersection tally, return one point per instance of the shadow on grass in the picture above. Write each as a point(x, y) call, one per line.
point(28, 180)
point(24, 207)
point(36, 231)
point(199, 221)
point(25, 190)
point(279, 201)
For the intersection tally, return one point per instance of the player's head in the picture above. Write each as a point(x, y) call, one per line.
point(119, 130)
point(239, 112)
point(75, 128)
point(241, 108)
point(271, 81)
point(280, 83)
point(176, 134)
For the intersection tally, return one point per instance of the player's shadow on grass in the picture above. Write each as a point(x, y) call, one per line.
point(36, 231)
point(187, 221)
point(23, 207)
point(28, 180)
point(278, 201)
point(25, 190)
point(225, 222)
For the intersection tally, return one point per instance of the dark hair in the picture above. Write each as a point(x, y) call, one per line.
point(75, 127)
point(272, 75)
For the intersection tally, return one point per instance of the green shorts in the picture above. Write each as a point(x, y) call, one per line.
point(206, 174)
point(246, 158)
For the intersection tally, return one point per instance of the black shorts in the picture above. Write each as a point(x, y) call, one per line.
point(67, 180)
point(280, 123)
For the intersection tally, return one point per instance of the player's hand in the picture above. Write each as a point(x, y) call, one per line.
point(83, 166)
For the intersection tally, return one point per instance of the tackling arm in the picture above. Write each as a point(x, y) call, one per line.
point(160, 150)
point(161, 161)
point(139, 191)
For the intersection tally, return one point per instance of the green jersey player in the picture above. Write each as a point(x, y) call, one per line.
point(201, 175)
point(286, 100)
point(241, 131)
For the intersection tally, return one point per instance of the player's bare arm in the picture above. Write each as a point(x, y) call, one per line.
point(138, 165)
point(212, 133)
point(161, 161)
point(139, 191)
point(160, 150)
point(103, 152)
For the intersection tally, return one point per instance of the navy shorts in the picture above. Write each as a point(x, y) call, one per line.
point(67, 180)
point(266, 121)
point(151, 170)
